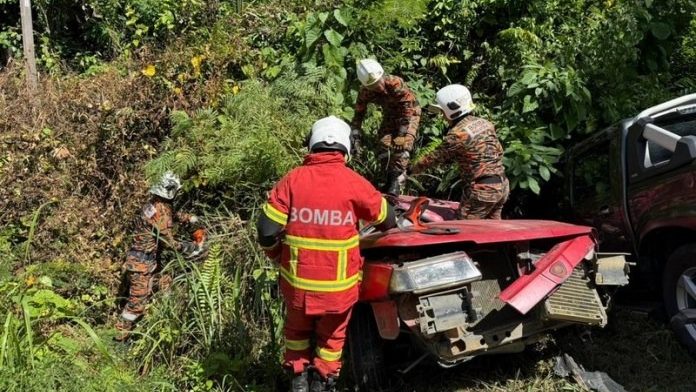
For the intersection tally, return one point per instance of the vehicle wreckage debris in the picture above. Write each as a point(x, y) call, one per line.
point(592, 381)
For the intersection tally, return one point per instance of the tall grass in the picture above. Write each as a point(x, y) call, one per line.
point(35, 354)
point(219, 321)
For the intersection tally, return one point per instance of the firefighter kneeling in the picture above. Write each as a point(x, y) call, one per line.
point(310, 227)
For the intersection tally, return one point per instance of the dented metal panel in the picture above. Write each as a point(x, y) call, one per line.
point(550, 271)
point(481, 231)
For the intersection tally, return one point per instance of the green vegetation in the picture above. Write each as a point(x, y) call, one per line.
point(224, 92)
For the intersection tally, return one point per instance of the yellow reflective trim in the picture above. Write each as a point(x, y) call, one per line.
point(382, 212)
point(342, 269)
point(327, 286)
point(275, 215)
point(297, 345)
point(322, 244)
point(328, 355)
point(293, 259)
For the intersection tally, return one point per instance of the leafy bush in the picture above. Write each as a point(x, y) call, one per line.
point(225, 96)
point(253, 138)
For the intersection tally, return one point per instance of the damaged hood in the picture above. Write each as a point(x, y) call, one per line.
point(483, 231)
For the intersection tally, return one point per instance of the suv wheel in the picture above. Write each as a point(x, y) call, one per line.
point(679, 293)
point(366, 350)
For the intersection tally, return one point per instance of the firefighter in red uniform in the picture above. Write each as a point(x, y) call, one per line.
point(310, 227)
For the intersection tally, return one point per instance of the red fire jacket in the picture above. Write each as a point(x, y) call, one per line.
point(320, 204)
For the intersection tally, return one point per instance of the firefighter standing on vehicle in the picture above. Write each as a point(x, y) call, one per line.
point(400, 118)
point(310, 227)
point(154, 228)
point(472, 143)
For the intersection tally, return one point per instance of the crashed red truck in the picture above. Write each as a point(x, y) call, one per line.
point(452, 290)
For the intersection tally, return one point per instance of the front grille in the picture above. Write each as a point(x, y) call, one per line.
point(576, 300)
point(488, 309)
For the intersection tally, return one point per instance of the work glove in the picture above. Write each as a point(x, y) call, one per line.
point(187, 247)
point(356, 141)
point(199, 236)
point(200, 253)
point(193, 251)
point(273, 252)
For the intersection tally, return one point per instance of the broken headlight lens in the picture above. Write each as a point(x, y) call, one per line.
point(434, 273)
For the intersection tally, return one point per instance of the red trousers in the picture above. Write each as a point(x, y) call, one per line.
point(329, 332)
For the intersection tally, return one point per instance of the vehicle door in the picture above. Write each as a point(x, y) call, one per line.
point(596, 189)
point(662, 188)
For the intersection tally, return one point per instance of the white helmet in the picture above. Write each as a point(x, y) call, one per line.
point(369, 71)
point(330, 133)
point(454, 101)
point(167, 187)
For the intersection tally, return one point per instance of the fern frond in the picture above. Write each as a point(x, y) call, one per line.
point(208, 293)
point(428, 149)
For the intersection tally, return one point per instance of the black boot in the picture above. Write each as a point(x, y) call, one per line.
point(300, 382)
point(320, 384)
point(393, 186)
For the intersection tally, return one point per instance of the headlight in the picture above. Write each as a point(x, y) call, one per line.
point(434, 273)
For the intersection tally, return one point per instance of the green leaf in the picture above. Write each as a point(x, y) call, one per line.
point(273, 71)
point(529, 104)
point(557, 132)
point(515, 89)
point(329, 53)
point(528, 77)
point(311, 36)
point(533, 185)
point(257, 273)
point(660, 30)
point(323, 17)
point(571, 119)
point(333, 37)
point(46, 281)
point(339, 18)
point(544, 173)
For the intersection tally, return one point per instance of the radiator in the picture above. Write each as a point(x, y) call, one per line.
point(576, 300)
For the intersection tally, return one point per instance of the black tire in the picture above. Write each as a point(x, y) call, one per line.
point(680, 265)
point(366, 355)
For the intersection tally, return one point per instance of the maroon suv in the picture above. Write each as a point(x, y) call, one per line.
point(635, 182)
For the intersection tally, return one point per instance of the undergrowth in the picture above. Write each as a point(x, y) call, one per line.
point(224, 93)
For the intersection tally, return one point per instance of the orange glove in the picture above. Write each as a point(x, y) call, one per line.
point(199, 236)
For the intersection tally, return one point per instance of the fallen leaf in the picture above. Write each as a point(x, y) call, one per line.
point(61, 153)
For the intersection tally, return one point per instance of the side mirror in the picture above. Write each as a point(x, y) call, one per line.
point(686, 149)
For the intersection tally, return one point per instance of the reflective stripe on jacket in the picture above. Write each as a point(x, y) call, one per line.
point(320, 204)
